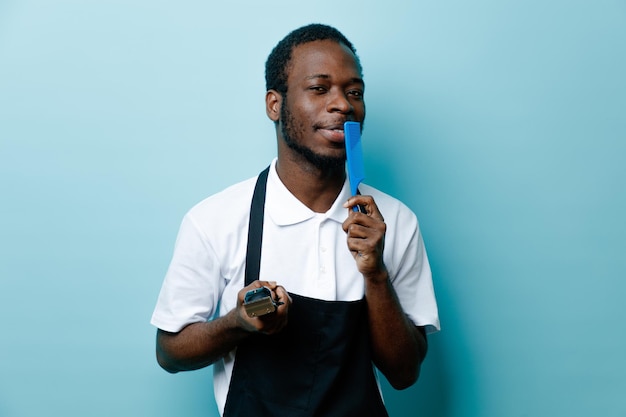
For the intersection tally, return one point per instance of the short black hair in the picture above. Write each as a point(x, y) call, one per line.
point(280, 57)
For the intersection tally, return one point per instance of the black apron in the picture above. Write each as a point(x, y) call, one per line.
point(318, 365)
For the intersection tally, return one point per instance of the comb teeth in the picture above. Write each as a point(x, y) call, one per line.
point(354, 155)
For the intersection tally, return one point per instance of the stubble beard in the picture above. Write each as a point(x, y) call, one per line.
point(291, 133)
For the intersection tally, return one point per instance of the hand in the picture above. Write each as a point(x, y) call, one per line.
point(269, 323)
point(366, 237)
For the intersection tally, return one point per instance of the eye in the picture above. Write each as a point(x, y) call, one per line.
point(356, 93)
point(320, 89)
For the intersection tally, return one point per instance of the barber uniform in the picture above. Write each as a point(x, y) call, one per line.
point(318, 365)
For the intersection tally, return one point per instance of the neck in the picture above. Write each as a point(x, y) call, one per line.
point(315, 188)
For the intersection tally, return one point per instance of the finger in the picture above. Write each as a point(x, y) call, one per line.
point(275, 322)
point(366, 201)
point(353, 202)
point(269, 284)
point(255, 284)
point(372, 209)
point(364, 239)
point(283, 300)
point(359, 246)
point(281, 293)
point(358, 231)
point(358, 221)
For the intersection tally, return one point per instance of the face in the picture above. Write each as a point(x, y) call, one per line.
point(324, 90)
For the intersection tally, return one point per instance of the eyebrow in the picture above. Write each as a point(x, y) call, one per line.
point(355, 80)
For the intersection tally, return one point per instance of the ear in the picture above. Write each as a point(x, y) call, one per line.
point(273, 101)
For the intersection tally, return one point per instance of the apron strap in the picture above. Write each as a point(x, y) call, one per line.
point(255, 228)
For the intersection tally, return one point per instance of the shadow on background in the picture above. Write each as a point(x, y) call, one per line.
point(447, 378)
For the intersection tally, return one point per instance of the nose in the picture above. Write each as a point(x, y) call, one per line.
point(338, 102)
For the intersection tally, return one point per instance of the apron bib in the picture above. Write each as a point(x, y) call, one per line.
point(318, 365)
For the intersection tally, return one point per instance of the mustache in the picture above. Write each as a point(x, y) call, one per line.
point(336, 124)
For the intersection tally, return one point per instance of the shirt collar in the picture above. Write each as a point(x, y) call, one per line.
point(285, 209)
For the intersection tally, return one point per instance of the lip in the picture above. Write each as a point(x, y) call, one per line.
point(333, 133)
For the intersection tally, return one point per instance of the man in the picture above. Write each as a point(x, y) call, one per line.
point(353, 289)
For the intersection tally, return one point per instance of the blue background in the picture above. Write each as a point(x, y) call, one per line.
point(500, 123)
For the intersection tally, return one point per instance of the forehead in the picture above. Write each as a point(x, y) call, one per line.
point(326, 57)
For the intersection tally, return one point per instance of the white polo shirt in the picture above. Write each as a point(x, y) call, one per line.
point(304, 251)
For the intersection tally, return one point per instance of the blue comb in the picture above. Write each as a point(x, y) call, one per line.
point(354, 153)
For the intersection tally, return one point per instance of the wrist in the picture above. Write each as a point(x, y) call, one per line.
point(238, 323)
point(378, 278)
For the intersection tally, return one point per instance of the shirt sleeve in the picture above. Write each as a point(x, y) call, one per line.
point(412, 278)
point(191, 287)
